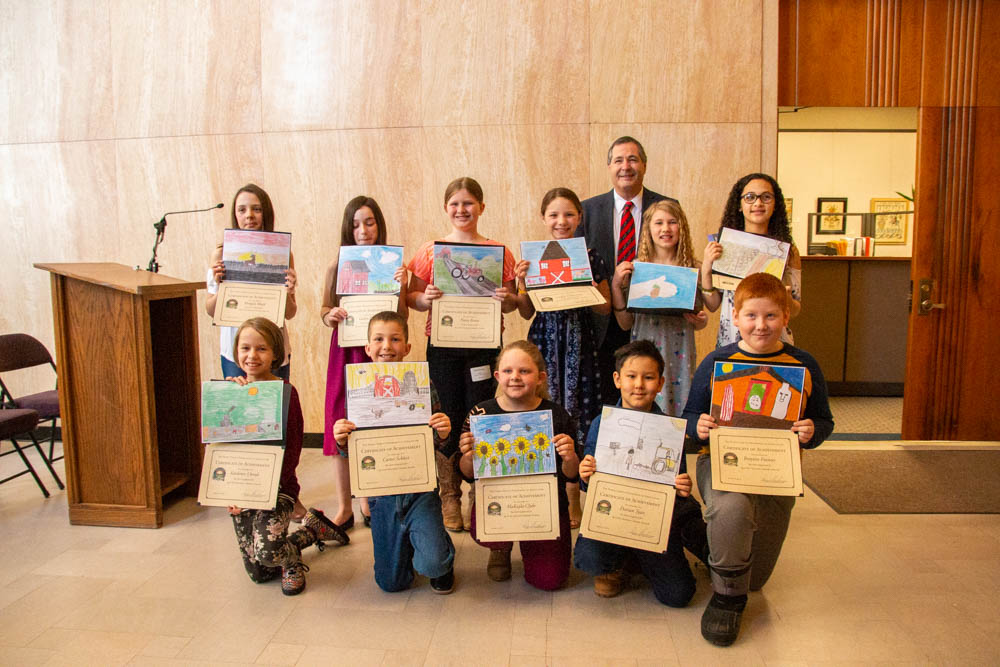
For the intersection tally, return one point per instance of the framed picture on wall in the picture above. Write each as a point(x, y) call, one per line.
point(788, 209)
point(828, 222)
point(890, 229)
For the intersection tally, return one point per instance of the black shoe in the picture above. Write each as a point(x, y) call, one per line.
point(445, 583)
point(720, 624)
point(368, 520)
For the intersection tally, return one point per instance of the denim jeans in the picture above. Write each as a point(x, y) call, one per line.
point(408, 534)
point(668, 572)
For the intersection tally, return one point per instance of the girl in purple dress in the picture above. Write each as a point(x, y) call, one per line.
point(363, 224)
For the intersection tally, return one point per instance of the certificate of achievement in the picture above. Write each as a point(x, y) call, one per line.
point(360, 308)
point(754, 460)
point(464, 321)
point(388, 461)
point(246, 476)
point(565, 298)
point(237, 302)
point(517, 508)
point(628, 512)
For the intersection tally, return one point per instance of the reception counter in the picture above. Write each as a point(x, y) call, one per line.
point(854, 321)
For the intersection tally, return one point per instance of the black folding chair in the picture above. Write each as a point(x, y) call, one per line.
point(18, 351)
point(14, 422)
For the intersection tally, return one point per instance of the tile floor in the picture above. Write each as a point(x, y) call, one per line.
point(893, 589)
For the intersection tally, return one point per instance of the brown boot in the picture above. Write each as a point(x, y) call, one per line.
point(609, 585)
point(450, 488)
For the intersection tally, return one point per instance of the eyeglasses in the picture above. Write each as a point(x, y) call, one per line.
point(764, 197)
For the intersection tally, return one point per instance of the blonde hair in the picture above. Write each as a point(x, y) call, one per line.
point(684, 255)
point(530, 349)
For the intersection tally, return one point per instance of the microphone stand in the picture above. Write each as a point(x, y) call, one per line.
point(161, 226)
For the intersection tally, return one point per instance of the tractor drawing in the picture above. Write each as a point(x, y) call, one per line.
point(466, 272)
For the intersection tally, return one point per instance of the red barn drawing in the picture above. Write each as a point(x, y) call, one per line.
point(554, 265)
point(353, 277)
point(385, 386)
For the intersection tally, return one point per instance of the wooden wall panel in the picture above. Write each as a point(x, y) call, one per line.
point(340, 65)
point(185, 67)
point(850, 52)
point(486, 62)
point(696, 62)
point(56, 83)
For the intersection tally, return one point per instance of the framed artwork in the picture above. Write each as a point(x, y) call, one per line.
point(788, 209)
point(890, 229)
point(828, 222)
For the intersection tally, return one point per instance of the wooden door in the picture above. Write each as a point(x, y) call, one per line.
point(951, 352)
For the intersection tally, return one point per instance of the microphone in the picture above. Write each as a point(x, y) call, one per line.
point(161, 226)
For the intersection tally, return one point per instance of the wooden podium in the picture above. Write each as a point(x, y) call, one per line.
point(127, 358)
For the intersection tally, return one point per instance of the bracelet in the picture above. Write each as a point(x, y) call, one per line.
point(708, 291)
point(618, 310)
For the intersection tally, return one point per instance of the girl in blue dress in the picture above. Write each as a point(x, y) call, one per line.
point(566, 338)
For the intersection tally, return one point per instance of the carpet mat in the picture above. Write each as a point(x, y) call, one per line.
point(905, 481)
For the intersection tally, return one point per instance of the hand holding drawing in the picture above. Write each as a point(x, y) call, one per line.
point(805, 430)
point(400, 275)
point(588, 466)
point(622, 272)
point(699, 319)
point(291, 280)
point(682, 483)
point(431, 292)
point(341, 430)
point(219, 271)
point(234, 510)
point(465, 445)
point(441, 424)
point(521, 269)
point(706, 422)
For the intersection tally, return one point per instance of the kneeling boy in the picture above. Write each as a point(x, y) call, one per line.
point(639, 376)
point(745, 532)
point(407, 530)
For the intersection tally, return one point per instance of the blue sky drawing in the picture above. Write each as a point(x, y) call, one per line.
point(575, 248)
point(677, 285)
point(382, 261)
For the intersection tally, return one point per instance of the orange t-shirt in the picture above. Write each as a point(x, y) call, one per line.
point(422, 266)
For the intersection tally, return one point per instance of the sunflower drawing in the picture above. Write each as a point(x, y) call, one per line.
point(484, 450)
point(521, 445)
point(541, 442)
point(502, 446)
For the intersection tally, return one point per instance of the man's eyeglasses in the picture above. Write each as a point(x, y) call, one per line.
point(751, 197)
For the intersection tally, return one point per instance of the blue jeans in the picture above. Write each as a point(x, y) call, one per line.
point(231, 370)
point(408, 534)
point(668, 572)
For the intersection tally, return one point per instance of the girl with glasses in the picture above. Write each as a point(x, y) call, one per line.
point(755, 205)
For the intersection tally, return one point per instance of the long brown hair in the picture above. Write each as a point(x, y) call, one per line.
point(267, 209)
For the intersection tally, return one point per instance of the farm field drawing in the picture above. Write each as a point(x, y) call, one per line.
point(468, 270)
point(388, 394)
point(247, 413)
point(640, 445)
point(556, 262)
point(365, 269)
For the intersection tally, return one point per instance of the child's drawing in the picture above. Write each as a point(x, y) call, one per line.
point(744, 254)
point(368, 269)
point(556, 262)
point(640, 445)
point(468, 269)
point(516, 443)
point(388, 394)
point(248, 413)
point(256, 257)
point(663, 288)
point(757, 395)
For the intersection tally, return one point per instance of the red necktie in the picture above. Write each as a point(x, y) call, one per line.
point(626, 237)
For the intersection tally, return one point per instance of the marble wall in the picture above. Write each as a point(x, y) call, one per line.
point(113, 112)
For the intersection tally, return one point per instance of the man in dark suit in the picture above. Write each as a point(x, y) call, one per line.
point(611, 228)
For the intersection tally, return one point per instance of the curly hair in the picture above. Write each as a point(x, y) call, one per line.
point(778, 227)
point(646, 252)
